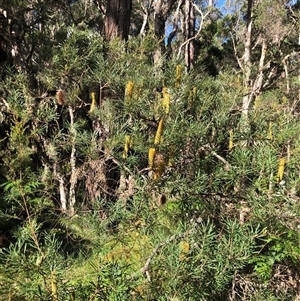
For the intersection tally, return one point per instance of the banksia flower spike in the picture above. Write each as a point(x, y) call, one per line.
point(192, 97)
point(151, 154)
point(230, 146)
point(270, 133)
point(93, 104)
point(54, 285)
point(158, 134)
point(184, 248)
point(171, 156)
point(166, 100)
point(280, 169)
point(129, 89)
point(127, 146)
point(178, 76)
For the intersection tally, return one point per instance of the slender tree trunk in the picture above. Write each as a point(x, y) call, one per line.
point(247, 60)
point(117, 20)
point(62, 188)
point(252, 87)
point(190, 33)
point(159, 31)
point(73, 177)
point(162, 10)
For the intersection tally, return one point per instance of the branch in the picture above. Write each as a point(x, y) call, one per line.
point(236, 53)
point(5, 103)
point(208, 147)
point(227, 165)
point(203, 16)
point(175, 24)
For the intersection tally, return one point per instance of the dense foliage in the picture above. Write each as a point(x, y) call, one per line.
point(144, 167)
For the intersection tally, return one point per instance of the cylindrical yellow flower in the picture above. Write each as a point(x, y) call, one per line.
point(280, 169)
point(151, 154)
point(184, 248)
point(178, 76)
point(127, 145)
point(192, 97)
point(129, 89)
point(54, 286)
point(230, 146)
point(164, 90)
point(270, 133)
point(158, 134)
point(128, 92)
point(171, 156)
point(166, 102)
point(93, 104)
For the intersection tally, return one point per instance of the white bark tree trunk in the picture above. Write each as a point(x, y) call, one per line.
point(246, 61)
point(73, 177)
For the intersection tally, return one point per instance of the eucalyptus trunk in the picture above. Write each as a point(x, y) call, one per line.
point(117, 20)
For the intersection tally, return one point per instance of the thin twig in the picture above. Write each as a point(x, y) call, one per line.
point(221, 159)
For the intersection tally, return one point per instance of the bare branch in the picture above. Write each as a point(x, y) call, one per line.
point(203, 17)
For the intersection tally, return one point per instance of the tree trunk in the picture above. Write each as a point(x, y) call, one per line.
point(162, 10)
point(117, 20)
point(189, 34)
point(247, 60)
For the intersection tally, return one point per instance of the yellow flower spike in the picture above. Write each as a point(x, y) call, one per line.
point(194, 91)
point(158, 134)
point(128, 92)
point(171, 157)
point(280, 169)
point(270, 133)
point(157, 174)
point(230, 146)
point(130, 142)
point(127, 146)
point(184, 248)
point(192, 97)
point(164, 90)
point(151, 154)
point(54, 285)
point(166, 102)
point(93, 104)
point(178, 76)
point(129, 89)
